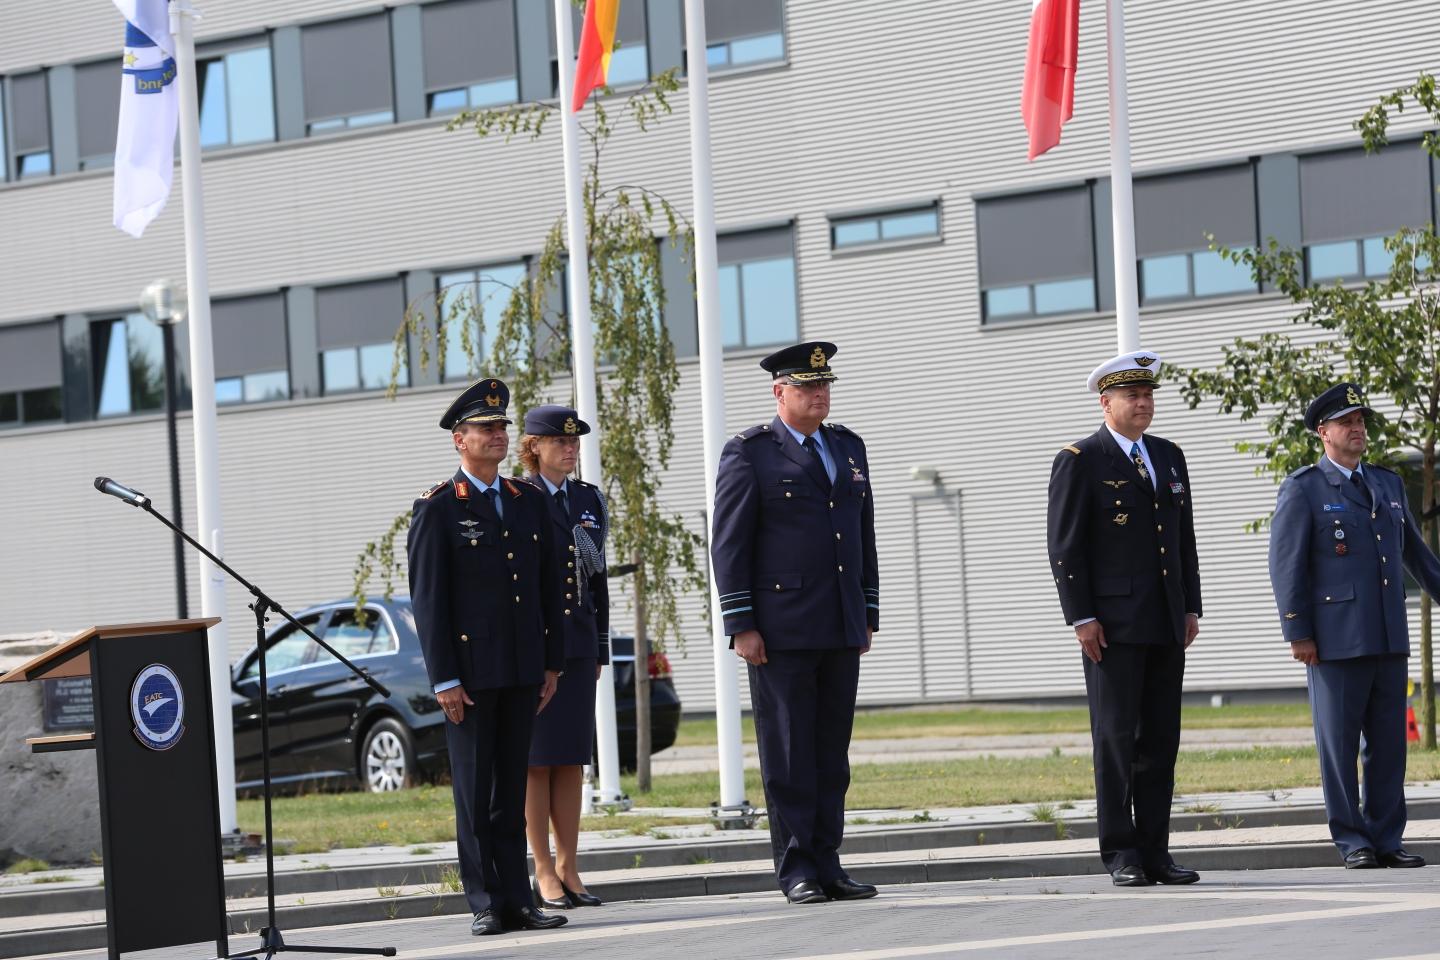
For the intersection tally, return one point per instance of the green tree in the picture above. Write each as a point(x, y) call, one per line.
point(530, 347)
point(1381, 333)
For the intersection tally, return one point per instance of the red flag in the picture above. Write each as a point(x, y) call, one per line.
point(1049, 96)
point(597, 42)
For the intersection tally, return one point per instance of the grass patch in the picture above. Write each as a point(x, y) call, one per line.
point(995, 721)
point(426, 814)
point(57, 878)
point(1043, 813)
point(27, 865)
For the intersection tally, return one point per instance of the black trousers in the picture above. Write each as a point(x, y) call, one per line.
point(804, 706)
point(1134, 694)
point(489, 763)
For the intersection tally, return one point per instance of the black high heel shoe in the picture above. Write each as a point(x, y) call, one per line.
point(581, 899)
point(565, 903)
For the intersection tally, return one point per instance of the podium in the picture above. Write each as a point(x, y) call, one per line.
point(154, 746)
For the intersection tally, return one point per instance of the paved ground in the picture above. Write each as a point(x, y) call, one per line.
point(924, 749)
point(1278, 914)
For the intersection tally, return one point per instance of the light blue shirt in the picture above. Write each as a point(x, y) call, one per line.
point(819, 437)
point(564, 485)
point(1359, 468)
point(480, 488)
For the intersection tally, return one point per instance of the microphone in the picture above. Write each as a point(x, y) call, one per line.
point(133, 497)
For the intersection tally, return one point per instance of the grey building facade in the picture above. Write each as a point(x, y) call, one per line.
point(871, 189)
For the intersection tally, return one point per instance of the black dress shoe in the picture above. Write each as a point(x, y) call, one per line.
point(581, 899)
point(1362, 859)
point(806, 891)
point(485, 923)
point(543, 901)
point(1131, 876)
point(529, 918)
point(847, 889)
point(1399, 858)
point(1172, 873)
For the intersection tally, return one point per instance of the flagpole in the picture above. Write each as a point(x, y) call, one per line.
point(202, 391)
point(1122, 204)
point(582, 349)
point(733, 806)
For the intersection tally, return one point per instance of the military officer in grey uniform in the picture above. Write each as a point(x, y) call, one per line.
point(486, 594)
point(1121, 534)
point(1341, 534)
point(795, 565)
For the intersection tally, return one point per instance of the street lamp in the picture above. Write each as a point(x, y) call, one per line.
point(157, 302)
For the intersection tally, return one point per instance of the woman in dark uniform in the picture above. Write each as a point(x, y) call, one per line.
point(565, 731)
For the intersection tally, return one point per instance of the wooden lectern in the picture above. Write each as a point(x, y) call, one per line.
point(154, 746)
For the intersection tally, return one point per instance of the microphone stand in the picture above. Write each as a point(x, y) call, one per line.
point(271, 940)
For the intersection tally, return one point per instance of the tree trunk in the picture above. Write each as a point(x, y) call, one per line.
point(642, 682)
point(1427, 668)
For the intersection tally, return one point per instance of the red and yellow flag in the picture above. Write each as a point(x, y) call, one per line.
point(597, 42)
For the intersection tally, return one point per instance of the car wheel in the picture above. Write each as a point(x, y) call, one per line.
point(387, 760)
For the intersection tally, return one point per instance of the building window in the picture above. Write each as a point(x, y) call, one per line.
point(878, 229)
point(30, 126)
point(127, 360)
point(97, 112)
point(758, 304)
point(347, 71)
point(1036, 254)
point(739, 33)
point(30, 374)
point(470, 54)
point(251, 352)
point(630, 63)
point(470, 304)
point(1173, 215)
point(1350, 202)
point(237, 94)
point(355, 330)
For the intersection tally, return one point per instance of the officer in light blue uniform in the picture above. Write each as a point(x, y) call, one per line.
point(1341, 535)
point(795, 564)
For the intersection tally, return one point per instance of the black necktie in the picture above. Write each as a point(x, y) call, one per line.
point(564, 502)
point(494, 496)
point(1355, 479)
point(814, 448)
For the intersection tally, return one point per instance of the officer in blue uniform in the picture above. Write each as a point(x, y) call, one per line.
point(486, 594)
point(795, 565)
point(565, 732)
point(1341, 534)
point(1121, 533)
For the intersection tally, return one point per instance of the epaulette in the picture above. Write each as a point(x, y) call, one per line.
point(1382, 469)
point(525, 480)
point(759, 429)
point(581, 483)
point(434, 490)
point(841, 428)
point(1072, 448)
point(1308, 466)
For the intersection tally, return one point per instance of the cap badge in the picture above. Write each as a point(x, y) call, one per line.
point(492, 400)
point(1144, 361)
point(493, 384)
point(1353, 398)
point(817, 358)
point(571, 426)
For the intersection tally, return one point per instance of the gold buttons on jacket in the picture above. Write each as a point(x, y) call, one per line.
point(569, 579)
point(1164, 572)
point(841, 568)
point(567, 613)
point(1159, 528)
point(777, 586)
point(464, 638)
point(474, 543)
point(572, 548)
point(1162, 551)
point(570, 564)
point(787, 494)
point(509, 556)
point(567, 596)
point(837, 534)
point(535, 537)
point(1118, 503)
point(832, 504)
point(514, 576)
point(505, 533)
point(517, 599)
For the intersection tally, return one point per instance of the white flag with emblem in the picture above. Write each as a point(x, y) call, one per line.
point(149, 112)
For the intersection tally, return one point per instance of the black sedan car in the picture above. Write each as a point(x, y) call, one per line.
point(327, 727)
